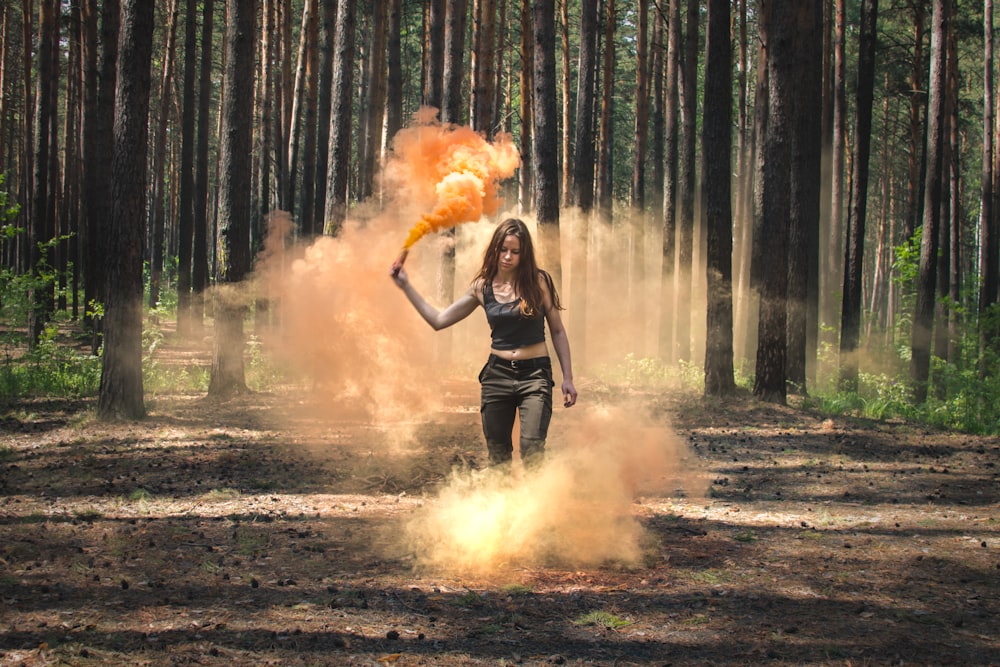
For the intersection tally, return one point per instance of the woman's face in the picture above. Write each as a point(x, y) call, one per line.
point(510, 253)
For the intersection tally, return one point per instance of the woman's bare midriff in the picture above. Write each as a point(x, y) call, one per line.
point(527, 352)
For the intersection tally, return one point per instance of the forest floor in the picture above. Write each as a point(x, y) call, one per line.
point(235, 533)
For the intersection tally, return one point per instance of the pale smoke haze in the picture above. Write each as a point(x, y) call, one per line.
point(341, 323)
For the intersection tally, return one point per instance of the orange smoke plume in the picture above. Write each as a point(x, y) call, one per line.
point(450, 172)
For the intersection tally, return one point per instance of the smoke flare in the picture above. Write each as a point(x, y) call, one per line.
point(449, 172)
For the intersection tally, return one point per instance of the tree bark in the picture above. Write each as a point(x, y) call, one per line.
point(483, 62)
point(918, 97)
point(567, 106)
point(834, 266)
point(433, 90)
point(671, 134)
point(42, 222)
point(688, 184)
point(583, 160)
point(310, 148)
point(199, 250)
point(97, 156)
point(234, 199)
point(545, 135)
point(803, 240)
point(394, 84)
point(454, 61)
point(328, 17)
point(339, 156)
point(989, 239)
point(638, 199)
point(374, 106)
point(923, 315)
point(716, 193)
point(606, 139)
point(159, 160)
point(777, 28)
point(526, 180)
point(121, 393)
point(850, 320)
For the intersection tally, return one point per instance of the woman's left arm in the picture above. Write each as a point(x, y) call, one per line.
point(560, 341)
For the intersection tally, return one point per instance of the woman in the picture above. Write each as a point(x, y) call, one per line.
point(518, 298)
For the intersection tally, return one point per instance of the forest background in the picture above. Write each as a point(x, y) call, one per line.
point(799, 198)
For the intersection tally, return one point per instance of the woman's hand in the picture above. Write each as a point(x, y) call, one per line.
point(398, 275)
point(569, 394)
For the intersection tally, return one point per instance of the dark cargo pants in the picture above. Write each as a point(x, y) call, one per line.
point(516, 388)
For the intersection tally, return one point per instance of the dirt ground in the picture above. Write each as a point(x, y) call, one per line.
point(212, 533)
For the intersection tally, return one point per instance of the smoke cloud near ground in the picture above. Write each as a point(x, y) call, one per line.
point(575, 510)
point(339, 321)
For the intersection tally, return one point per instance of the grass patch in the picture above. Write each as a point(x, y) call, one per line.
point(517, 589)
point(711, 576)
point(603, 619)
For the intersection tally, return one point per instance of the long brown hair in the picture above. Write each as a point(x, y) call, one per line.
point(526, 280)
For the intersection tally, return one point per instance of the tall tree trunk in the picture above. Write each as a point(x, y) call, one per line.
point(833, 274)
point(433, 91)
point(671, 134)
point(296, 120)
point(567, 106)
point(638, 222)
point(6, 14)
point(716, 193)
point(185, 214)
point(803, 240)
point(545, 135)
point(918, 97)
point(159, 160)
point(502, 31)
point(583, 163)
point(989, 239)
point(73, 118)
point(98, 126)
point(483, 62)
point(236, 166)
point(454, 61)
point(28, 128)
point(328, 17)
point(120, 395)
point(638, 199)
point(526, 180)
point(955, 213)
point(923, 315)
point(943, 312)
point(265, 122)
point(688, 181)
point(606, 137)
point(777, 29)
point(339, 156)
point(452, 112)
point(658, 69)
point(285, 102)
point(199, 250)
point(582, 178)
point(394, 66)
point(850, 320)
point(311, 99)
point(744, 210)
point(374, 106)
point(43, 191)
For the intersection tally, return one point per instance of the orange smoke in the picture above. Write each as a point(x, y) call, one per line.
point(449, 173)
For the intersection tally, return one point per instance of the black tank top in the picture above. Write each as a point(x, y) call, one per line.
point(509, 328)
